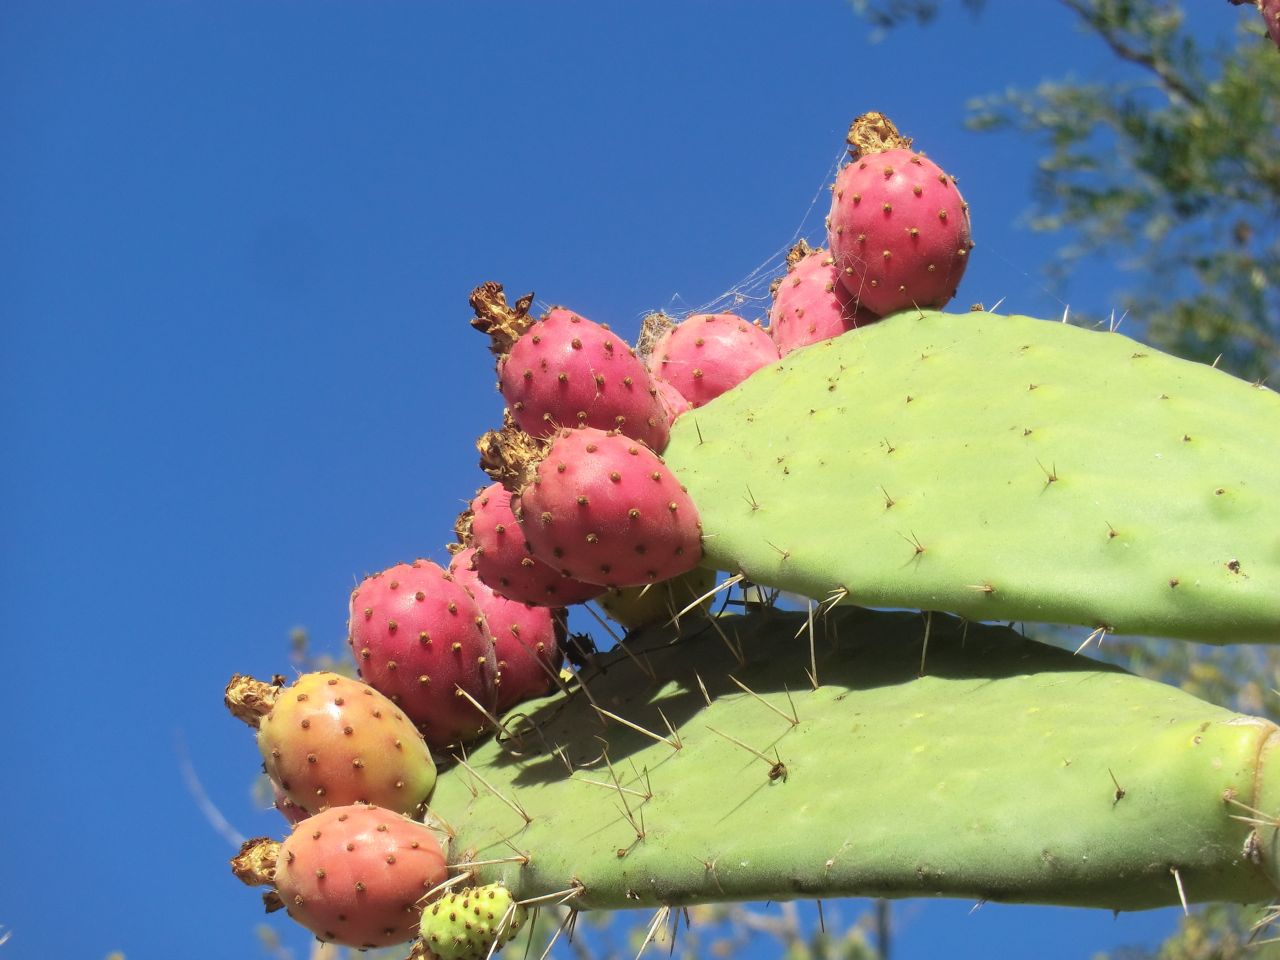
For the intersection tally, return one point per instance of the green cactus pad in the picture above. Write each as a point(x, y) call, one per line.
point(465, 925)
point(1011, 771)
point(998, 468)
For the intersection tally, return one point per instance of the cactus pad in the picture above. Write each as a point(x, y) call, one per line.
point(1009, 771)
point(998, 468)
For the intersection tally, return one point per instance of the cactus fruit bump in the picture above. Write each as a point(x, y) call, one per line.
point(606, 510)
point(636, 607)
point(470, 924)
point(899, 229)
point(420, 638)
point(502, 558)
point(565, 370)
point(354, 875)
point(707, 353)
point(526, 638)
point(809, 304)
point(328, 740)
point(1270, 10)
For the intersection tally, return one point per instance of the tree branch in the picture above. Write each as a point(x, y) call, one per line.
point(1121, 49)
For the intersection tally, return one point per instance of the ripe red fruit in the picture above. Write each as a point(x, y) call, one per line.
point(420, 638)
point(899, 229)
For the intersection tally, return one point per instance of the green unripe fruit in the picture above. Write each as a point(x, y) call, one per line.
point(466, 924)
point(636, 607)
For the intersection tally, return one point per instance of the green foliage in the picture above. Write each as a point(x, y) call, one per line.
point(884, 15)
point(1175, 175)
point(1243, 677)
point(728, 930)
point(1215, 932)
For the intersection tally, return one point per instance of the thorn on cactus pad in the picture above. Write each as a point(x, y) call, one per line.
point(912, 539)
point(1120, 791)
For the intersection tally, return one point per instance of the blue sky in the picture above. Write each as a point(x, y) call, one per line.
point(237, 372)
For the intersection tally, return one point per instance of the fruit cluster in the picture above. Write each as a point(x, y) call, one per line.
point(582, 507)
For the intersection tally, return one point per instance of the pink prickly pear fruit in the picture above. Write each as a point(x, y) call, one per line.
point(638, 607)
point(809, 304)
point(673, 401)
point(899, 229)
point(419, 637)
point(607, 510)
point(328, 740)
point(708, 354)
point(1270, 10)
point(288, 809)
point(525, 637)
point(503, 560)
point(565, 370)
point(354, 875)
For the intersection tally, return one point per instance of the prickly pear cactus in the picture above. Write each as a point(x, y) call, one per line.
point(771, 757)
point(998, 468)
